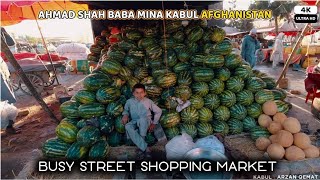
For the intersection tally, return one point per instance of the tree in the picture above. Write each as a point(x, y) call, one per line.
point(280, 9)
point(241, 24)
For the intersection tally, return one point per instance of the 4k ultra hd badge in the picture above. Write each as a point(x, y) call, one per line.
point(306, 14)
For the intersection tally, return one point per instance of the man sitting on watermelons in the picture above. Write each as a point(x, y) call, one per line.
point(140, 109)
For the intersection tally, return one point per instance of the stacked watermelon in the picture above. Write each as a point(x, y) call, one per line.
point(194, 63)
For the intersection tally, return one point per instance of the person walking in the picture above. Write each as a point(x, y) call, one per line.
point(277, 53)
point(249, 46)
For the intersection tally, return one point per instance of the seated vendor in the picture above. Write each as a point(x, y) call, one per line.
point(140, 109)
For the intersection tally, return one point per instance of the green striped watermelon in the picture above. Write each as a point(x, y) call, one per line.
point(115, 55)
point(146, 42)
point(167, 80)
point(204, 129)
point(189, 129)
point(77, 151)
point(178, 36)
point(221, 113)
point(197, 102)
point(69, 120)
point(153, 90)
point(172, 132)
point(211, 101)
point(183, 92)
point(126, 91)
point(99, 150)
point(154, 51)
point(120, 128)
point(84, 97)
point(114, 109)
point(181, 66)
point(150, 139)
point(108, 94)
point(195, 34)
point(198, 59)
point(183, 53)
point(216, 86)
point(193, 47)
point(106, 124)
point(55, 148)
point(259, 131)
point(220, 127)
point(88, 135)
point(263, 96)
point(217, 35)
point(154, 63)
point(249, 123)
point(254, 110)
point(189, 115)
point(156, 72)
point(126, 46)
point(279, 94)
point(141, 72)
point(132, 62)
point(235, 126)
point(203, 74)
point(205, 114)
point(69, 109)
point(132, 81)
point(134, 35)
point(238, 111)
point(235, 84)
point(67, 132)
point(227, 98)
point(283, 106)
point(95, 81)
point(111, 67)
point(223, 74)
point(232, 61)
point(270, 82)
point(214, 61)
point(245, 97)
point(200, 88)
point(87, 111)
point(184, 78)
point(114, 139)
point(82, 123)
point(243, 71)
point(255, 84)
point(169, 92)
point(137, 53)
point(224, 48)
point(169, 120)
point(169, 59)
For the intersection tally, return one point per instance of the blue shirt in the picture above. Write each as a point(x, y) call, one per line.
point(142, 109)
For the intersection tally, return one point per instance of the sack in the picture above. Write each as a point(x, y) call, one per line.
point(177, 147)
point(7, 112)
point(210, 142)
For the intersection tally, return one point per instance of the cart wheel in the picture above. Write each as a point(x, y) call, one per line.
point(35, 80)
point(50, 82)
point(15, 87)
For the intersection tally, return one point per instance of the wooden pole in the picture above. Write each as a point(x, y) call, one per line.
point(45, 46)
point(296, 46)
point(5, 49)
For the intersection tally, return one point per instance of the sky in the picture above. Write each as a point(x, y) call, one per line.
point(74, 29)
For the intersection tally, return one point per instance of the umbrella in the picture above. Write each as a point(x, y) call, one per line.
point(75, 51)
point(13, 12)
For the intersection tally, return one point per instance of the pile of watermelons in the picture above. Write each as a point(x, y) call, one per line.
point(194, 63)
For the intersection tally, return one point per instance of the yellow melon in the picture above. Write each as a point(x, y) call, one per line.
point(274, 127)
point(275, 151)
point(301, 140)
point(262, 143)
point(284, 138)
point(264, 120)
point(293, 153)
point(279, 117)
point(311, 152)
point(270, 108)
point(292, 125)
point(273, 138)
